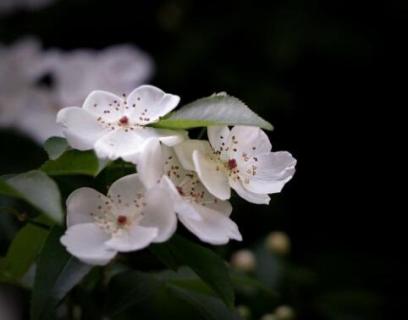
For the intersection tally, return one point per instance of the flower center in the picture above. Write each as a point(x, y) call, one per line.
point(180, 191)
point(232, 164)
point(124, 121)
point(121, 220)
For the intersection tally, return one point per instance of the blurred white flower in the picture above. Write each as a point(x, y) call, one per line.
point(21, 65)
point(32, 108)
point(10, 307)
point(129, 218)
point(200, 212)
point(11, 5)
point(239, 158)
point(115, 127)
point(116, 69)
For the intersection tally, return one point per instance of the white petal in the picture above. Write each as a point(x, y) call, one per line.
point(150, 164)
point(184, 152)
point(159, 213)
point(150, 103)
point(124, 192)
point(81, 128)
point(182, 207)
point(214, 227)
point(248, 140)
point(215, 181)
point(87, 243)
point(218, 137)
point(134, 238)
point(272, 173)
point(85, 202)
point(104, 104)
point(249, 196)
point(121, 144)
point(171, 137)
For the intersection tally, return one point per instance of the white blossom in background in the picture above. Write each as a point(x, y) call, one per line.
point(21, 64)
point(32, 108)
point(129, 218)
point(116, 69)
point(239, 158)
point(116, 127)
point(8, 6)
point(203, 214)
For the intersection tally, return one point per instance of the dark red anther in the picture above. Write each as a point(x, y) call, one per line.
point(122, 220)
point(180, 191)
point(232, 164)
point(124, 120)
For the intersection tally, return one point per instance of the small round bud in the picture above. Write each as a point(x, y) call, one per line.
point(268, 316)
point(284, 313)
point(243, 260)
point(278, 242)
point(244, 312)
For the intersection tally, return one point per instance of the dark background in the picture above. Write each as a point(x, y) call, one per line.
point(323, 72)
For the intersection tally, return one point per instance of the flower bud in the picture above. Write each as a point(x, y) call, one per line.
point(244, 312)
point(278, 242)
point(284, 313)
point(243, 260)
point(268, 316)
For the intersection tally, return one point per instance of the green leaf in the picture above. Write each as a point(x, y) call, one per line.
point(159, 296)
point(57, 273)
point(7, 190)
point(73, 162)
point(130, 288)
point(208, 307)
point(55, 147)
point(204, 262)
point(37, 189)
point(22, 252)
point(218, 109)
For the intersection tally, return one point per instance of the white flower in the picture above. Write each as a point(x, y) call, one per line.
point(239, 158)
point(202, 213)
point(115, 69)
point(116, 126)
point(129, 218)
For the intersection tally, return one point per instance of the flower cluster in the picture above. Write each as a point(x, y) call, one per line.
point(177, 178)
point(36, 83)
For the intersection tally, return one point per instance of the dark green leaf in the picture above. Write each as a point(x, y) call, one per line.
point(218, 109)
point(130, 288)
point(208, 266)
point(163, 296)
point(7, 190)
point(74, 162)
point(57, 273)
point(209, 308)
point(55, 147)
point(22, 252)
point(37, 189)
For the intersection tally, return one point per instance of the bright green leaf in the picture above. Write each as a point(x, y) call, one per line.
point(37, 189)
point(73, 162)
point(22, 252)
point(55, 147)
point(218, 109)
point(57, 273)
point(204, 262)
